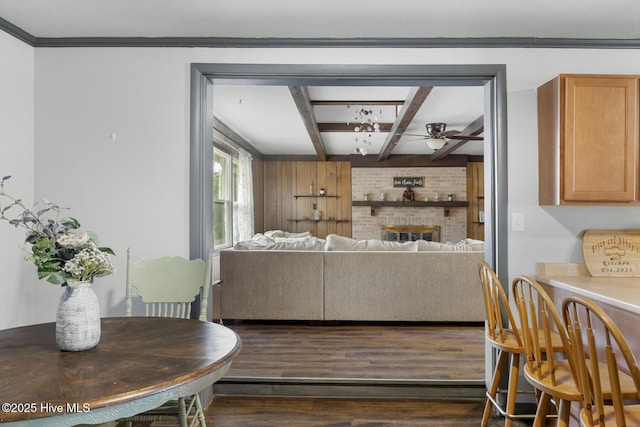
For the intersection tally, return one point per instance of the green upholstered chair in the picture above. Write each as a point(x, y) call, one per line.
point(168, 286)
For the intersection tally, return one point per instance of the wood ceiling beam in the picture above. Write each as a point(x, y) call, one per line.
point(414, 101)
point(302, 100)
point(475, 128)
point(343, 127)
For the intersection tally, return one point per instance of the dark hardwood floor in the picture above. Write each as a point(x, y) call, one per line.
point(315, 412)
point(360, 350)
point(351, 350)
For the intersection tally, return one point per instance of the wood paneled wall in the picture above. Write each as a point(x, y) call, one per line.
point(475, 194)
point(284, 180)
point(257, 169)
point(278, 182)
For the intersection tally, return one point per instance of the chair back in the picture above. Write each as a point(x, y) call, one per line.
point(168, 286)
point(596, 340)
point(541, 323)
point(497, 309)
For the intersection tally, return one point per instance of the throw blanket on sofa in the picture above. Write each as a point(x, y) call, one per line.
point(286, 241)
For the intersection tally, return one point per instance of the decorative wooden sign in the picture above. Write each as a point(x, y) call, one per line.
point(612, 253)
point(408, 181)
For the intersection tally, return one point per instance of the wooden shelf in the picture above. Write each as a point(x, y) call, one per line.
point(317, 220)
point(416, 204)
point(313, 195)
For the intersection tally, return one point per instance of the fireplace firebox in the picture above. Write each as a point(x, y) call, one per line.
point(411, 233)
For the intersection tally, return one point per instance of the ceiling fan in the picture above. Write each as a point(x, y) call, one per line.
point(437, 136)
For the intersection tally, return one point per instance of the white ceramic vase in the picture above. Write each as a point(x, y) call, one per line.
point(78, 318)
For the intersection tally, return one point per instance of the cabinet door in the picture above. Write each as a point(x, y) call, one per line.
point(600, 139)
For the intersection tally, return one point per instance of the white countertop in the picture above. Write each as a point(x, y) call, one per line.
point(623, 293)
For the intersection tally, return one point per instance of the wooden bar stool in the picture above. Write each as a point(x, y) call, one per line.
point(503, 336)
point(549, 366)
point(608, 398)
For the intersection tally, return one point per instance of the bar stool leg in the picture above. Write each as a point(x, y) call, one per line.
point(493, 390)
point(564, 412)
point(544, 405)
point(513, 388)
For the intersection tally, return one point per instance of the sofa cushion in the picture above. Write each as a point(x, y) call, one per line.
point(465, 245)
point(341, 243)
point(277, 234)
point(474, 245)
point(428, 246)
point(311, 244)
point(258, 242)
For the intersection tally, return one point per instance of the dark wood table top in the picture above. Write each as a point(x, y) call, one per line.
point(138, 359)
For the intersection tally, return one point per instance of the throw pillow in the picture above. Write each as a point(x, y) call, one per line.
point(341, 243)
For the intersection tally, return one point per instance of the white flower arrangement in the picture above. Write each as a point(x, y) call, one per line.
point(62, 255)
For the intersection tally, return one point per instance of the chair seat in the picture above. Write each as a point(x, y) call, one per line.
point(508, 341)
point(566, 387)
point(631, 414)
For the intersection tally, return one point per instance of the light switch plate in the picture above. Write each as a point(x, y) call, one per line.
point(517, 221)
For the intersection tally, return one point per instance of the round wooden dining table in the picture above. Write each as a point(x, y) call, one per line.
point(139, 364)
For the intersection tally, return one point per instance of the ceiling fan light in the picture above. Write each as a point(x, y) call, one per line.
point(436, 143)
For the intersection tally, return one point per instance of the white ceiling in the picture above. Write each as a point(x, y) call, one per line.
point(327, 18)
point(267, 116)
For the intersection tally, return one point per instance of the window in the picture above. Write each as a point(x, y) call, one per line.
point(225, 198)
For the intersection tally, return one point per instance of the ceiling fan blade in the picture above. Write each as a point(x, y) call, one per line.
point(466, 137)
point(413, 134)
point(449, 133)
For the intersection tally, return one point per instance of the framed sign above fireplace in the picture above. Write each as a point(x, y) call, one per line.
point(408, 181)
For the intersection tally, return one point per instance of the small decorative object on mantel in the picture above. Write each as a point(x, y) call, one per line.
point(68, 257)
point(408, 195)
point(612, 253)
point(321, 191)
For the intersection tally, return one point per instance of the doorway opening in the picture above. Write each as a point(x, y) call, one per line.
point(491, 77)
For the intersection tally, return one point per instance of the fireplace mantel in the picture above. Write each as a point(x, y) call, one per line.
point(374, 204)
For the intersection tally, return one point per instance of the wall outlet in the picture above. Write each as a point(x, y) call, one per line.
point(517, 221)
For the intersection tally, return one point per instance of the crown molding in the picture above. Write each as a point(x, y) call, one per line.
point(230, 42)
point(17, 32)
point(355, 42)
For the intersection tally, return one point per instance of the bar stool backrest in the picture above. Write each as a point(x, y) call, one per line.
point(596, 339)
point(497, 309)
point(540, 321)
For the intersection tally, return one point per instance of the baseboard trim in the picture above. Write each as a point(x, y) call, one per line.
point(350, 387)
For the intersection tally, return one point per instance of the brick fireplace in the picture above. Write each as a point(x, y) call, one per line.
point(443, 180)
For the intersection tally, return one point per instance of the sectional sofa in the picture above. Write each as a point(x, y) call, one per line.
point(342, 279)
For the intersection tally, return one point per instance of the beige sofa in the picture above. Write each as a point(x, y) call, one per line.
point(353, 285)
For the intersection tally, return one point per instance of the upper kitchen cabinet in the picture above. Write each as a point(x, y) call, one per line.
point(588, 137)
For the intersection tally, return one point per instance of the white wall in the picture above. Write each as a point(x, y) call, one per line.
point(16, 159)
point(134, 191)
